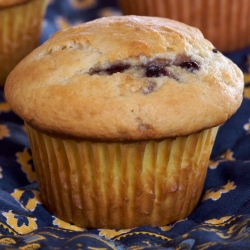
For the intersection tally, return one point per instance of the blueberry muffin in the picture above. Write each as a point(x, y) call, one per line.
point(21, 22)
point(225, 22)
point(122, 114)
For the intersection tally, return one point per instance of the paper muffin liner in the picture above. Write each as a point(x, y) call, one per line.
point(19, 33)
point(225, 22)
point(121, 185)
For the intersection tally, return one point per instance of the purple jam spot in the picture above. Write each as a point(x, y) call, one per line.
point(115, 68)
point(190, 66)
point(154, 68)
point(157, 71)
point(154, 71)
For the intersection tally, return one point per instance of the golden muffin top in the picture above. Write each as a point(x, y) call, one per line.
point(125, 78)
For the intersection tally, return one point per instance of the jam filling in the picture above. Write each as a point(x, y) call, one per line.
point(115, 68)
point(190, 66)
point(156, 68)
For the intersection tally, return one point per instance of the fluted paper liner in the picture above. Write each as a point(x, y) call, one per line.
point(121, 185)
point(20, 30)
point(224, 22)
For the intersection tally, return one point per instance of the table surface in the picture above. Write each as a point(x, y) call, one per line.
point(220, 221)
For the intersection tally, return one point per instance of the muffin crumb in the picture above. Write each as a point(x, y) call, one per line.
point(143, 127)
point(149, 88)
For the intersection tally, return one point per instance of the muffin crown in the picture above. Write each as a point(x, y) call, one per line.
point(125, 78)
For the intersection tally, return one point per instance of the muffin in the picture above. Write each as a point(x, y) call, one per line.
point(122, 113)
point(225, 22)
point(21, 22)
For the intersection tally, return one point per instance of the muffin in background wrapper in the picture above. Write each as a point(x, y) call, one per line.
point(225, 22)
point(122, 137)
point(21, 23)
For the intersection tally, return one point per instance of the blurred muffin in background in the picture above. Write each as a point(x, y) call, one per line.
point(225, 22)
point(20, 26)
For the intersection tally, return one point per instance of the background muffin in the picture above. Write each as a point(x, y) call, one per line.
point(21, 22)
point(225, 23)
point(114, 145)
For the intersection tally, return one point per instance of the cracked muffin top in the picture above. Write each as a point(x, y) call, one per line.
point(125, 78)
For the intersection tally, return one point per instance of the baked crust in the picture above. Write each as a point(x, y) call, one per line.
point(67, 87)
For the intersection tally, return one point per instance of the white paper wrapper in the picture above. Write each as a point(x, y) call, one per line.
point(19, 33)
point(121, 185)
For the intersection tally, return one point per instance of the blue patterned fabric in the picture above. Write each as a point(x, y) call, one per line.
point(220, 221)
